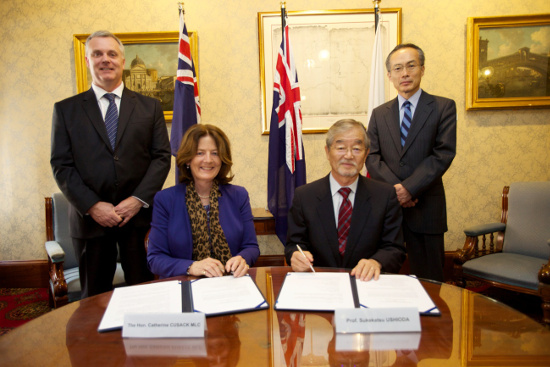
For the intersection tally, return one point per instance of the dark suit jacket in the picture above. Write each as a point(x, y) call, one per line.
point(170, 250)
point(420, 164)
point(375, 230)
point(86, 168)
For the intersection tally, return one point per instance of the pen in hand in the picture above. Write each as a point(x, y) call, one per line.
point(304, 255)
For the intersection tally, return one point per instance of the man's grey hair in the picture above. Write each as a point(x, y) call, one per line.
point(421, 56)
point(104, 34)
point(341, 126)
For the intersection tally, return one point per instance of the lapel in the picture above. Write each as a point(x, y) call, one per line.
point(361, 211)
point(392, 122)
point(91, 108)
point(325, 217)
point(127, 105)
point(421, 114)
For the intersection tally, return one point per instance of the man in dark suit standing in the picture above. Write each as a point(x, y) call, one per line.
point(413, 141)
point(110, 154)
point(345, 219)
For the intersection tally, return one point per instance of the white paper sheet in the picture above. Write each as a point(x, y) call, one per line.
point(315, 291)
point(226, 294)
point(161, 297)
point(395, 290)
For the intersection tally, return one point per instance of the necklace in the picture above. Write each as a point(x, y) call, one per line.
point(204, 197)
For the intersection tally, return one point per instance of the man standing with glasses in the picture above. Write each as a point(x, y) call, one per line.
point(346, 220)
point(413, 142)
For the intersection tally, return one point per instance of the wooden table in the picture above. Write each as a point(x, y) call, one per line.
point(472, 331)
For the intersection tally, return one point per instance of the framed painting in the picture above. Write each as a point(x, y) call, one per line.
point(332, 52)
point(508, 62)
point(151, 64)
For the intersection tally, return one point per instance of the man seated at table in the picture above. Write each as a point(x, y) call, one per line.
point(346, 220)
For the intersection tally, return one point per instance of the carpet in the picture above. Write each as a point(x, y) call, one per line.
point(21, 305)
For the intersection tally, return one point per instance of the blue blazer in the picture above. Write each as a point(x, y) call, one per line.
point(170, 249)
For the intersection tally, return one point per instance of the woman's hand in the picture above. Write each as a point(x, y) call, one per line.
point(237, 265)
point(208, 267)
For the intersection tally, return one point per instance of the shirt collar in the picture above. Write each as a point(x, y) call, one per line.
point(335, 186)
point(414, 99)
point(100, 92)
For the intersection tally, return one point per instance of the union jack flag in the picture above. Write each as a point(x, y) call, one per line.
point(287, 167)
point(187, 109)
point(292, 330)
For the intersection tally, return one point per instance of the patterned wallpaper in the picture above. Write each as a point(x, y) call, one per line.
point(37, 63)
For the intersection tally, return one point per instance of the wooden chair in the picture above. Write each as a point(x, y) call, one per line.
point(63, 263)
point(513, 254)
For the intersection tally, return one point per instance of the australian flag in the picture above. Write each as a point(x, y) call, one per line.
point(187, 109)
point(287, 166)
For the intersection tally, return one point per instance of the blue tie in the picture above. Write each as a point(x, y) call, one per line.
point(406, 124)
point(111, 119)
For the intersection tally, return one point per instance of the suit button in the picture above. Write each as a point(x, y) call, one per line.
point(401, 164)
point(115, 157)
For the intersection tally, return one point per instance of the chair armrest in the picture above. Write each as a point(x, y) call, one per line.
point(544, 279)
point(481, 229)
point(55, 252)
point(471, 247)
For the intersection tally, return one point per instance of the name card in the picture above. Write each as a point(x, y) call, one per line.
point(166, 325)
point(358, 342)
point(377, 320)
point(164, 347)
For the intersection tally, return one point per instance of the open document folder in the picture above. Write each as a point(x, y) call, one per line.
point(212, 296)
point(331, 291)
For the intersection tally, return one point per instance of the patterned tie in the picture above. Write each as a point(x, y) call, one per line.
point(111, 118)
point(406, 124)
point(344, 219)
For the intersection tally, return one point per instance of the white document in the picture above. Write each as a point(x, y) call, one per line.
point(395, 290)
point(227, 294)
point(161, 297)
point(315, 292)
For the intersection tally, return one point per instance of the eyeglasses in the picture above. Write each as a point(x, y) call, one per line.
point(343, 150)
point(399, 68)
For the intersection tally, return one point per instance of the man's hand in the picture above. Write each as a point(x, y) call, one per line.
point(301, 263)
point(104, 214)
point(127, 208)
point(404, 196)
point(367, 269)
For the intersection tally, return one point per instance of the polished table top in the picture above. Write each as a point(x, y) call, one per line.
point(473, 330)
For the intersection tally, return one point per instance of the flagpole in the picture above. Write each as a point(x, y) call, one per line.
point(180, 7)
point(376, 14)
point(283, 14)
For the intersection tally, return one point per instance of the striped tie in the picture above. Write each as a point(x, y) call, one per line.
point(406, 124)
point(111, 118)
point(344, 219)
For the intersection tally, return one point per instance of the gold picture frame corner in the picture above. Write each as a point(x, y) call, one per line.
point(496, 83)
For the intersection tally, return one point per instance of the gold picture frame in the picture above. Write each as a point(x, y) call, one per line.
point(157, 47)
point(350, 35)
point(504, 69)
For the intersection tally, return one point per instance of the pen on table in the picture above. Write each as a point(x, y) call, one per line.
point(304, 255)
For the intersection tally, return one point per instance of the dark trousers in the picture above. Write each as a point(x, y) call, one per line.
point(426, 253)
point(98, 258)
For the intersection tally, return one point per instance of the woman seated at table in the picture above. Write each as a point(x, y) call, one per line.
point(203, 225)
